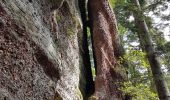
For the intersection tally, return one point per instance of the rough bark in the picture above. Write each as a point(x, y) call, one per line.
point(39, 50)
point(104, 37)
point(147, 46)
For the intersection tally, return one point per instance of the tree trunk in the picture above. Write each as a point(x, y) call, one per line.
point(147, 45)
point(104, 37)
point(89, 86)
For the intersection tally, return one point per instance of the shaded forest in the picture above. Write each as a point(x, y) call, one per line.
point(84, 50)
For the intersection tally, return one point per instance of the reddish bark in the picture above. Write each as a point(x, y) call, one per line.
point(105, 45)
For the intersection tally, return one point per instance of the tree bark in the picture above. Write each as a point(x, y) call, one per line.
point(147, 46)
point(89, 88)
point(104, 37)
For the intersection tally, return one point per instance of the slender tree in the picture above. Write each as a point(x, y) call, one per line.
point(89, 86)
point(147, 46)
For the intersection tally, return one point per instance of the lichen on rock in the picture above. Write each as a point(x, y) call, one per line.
point(37, 57)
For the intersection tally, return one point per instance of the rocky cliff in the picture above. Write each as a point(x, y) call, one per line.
point(40, 50)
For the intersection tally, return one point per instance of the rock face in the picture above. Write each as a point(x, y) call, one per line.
point(40, 50)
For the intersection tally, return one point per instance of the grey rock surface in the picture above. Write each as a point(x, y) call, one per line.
point(39, 50)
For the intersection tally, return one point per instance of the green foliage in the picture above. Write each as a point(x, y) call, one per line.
point(140, 79)
point(139, 91)
point(167, 46)
point(112, 3)
point(79, 94)
point(93, 72)
point(168, 80)
point(138, 67)
point(163, 50)
point(58, 18)
point(122, 30)
point(140, 84)
point(162, 47)
point(70, 32)
point(88, 32)
point(92, 98)
point(137, 57)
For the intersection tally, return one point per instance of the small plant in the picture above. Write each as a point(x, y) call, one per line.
point(78, 92)
point(58, 18)
point(92, 98)
point(93, 73)
point(70, 32)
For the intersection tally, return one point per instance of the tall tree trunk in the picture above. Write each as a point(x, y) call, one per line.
point(89, 88)
point(146, 43)
point(104, 37)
